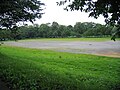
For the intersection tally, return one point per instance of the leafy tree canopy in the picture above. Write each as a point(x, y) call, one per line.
point(110, 9)
point(14, 11)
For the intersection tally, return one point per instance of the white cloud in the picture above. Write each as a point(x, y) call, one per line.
point(56, 13)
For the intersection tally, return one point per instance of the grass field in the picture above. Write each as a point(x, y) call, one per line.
point(32, 69)
point(73, 39)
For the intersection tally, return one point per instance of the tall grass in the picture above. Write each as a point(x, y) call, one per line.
point(32, 69)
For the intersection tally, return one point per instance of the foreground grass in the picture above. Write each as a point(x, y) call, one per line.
point(31, 69)
point(71, 39)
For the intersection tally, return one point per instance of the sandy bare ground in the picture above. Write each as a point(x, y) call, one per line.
point(106, 48)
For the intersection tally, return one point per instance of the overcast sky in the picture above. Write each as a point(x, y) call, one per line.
point(56, 13)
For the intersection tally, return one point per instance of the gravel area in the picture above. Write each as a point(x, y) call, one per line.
point(106, 48)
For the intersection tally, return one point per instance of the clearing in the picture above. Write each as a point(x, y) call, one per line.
point(100, 46)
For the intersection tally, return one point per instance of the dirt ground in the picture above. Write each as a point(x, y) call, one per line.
point(106, 48)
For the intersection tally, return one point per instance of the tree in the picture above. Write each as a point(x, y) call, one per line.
point(70, 31)
point(54, 29)
point(44, 31)
point(14, 11)
point(110, 9)
point(63, 32)
point(80, 28)
point(4, 35)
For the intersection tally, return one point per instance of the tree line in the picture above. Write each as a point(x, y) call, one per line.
point(55, 30)
point(14, 11)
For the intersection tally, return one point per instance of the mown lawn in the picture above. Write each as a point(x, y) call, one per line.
point(32, 69)
point(71, 39)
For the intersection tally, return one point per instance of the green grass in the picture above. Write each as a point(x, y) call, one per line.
point(72, 39)
point(32, 69)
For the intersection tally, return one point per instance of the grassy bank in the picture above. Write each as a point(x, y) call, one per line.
point(32, 69)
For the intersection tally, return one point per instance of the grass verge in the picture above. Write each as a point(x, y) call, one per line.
point(32, 69)
point(71, 39)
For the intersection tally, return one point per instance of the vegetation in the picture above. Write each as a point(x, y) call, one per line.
point(54, 30)
point(33, 69)
point(14, 11)
point(69, 39)
point(109, 9)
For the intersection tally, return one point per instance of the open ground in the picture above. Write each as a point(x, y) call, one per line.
point(90, 46)
point(23, 68)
